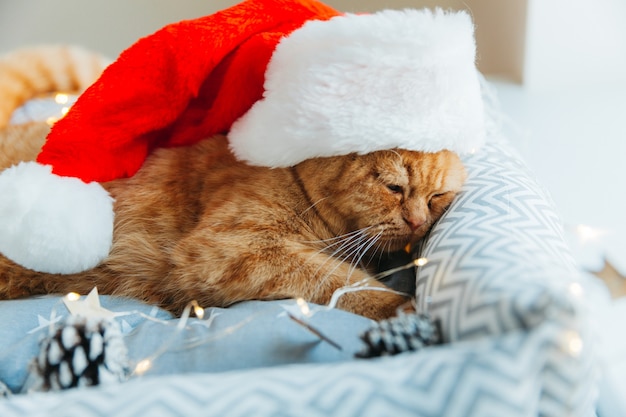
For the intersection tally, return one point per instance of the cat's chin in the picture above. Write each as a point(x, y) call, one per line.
point(404, 243)
point(394, 241)
point(396, 244)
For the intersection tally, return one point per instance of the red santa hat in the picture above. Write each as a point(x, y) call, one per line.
point(287, 80)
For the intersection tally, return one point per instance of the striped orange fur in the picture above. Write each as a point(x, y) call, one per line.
point(33, 71)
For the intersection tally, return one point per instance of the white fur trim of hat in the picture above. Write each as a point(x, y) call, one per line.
point(361, 83)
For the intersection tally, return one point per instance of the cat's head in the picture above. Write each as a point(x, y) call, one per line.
point(394, 195)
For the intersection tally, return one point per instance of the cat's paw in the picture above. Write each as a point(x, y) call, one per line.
point(375, 304)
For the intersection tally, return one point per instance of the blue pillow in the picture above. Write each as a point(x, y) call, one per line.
point(245, 335)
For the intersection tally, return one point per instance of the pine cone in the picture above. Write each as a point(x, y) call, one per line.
point(81, 352)
point(404, 333)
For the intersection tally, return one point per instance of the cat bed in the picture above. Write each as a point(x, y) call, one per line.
point(500, 279)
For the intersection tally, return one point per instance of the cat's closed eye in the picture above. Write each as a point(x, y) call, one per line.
point(438, 198)
point(395, 188)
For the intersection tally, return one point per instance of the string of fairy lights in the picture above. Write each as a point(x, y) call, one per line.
point(299, 311)
point(49, 108)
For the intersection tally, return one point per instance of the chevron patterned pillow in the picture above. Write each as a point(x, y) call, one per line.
point(497, 260)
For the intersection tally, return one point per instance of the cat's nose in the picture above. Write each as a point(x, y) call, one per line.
point(414, 222)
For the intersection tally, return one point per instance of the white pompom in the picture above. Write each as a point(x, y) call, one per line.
point(53, 224)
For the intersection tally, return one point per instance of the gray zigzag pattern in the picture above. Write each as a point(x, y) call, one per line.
point(517, 374)
point(498, 260)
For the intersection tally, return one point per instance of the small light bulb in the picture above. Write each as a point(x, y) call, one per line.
point(199, 312)
point(420, 261)
point(64, 110)
point(61, 98)
point(573, 343)
point(73, 296)
point(576, 289)
point(587, 233)
point(304, 307)
point(51, 120)
point(143, 366)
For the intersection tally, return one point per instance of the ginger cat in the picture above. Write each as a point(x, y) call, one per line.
point(197, 224)
point(35, 71)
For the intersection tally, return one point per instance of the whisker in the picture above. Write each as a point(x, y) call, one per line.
point(353, 248)
point(395, 152)
point(342, 242)
point(341, 254)
point(356, 254)
point(379, 247)
point(346, 245)
point(340, 237)
point(313, 205)
point(375, 242)
point(372, 241)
